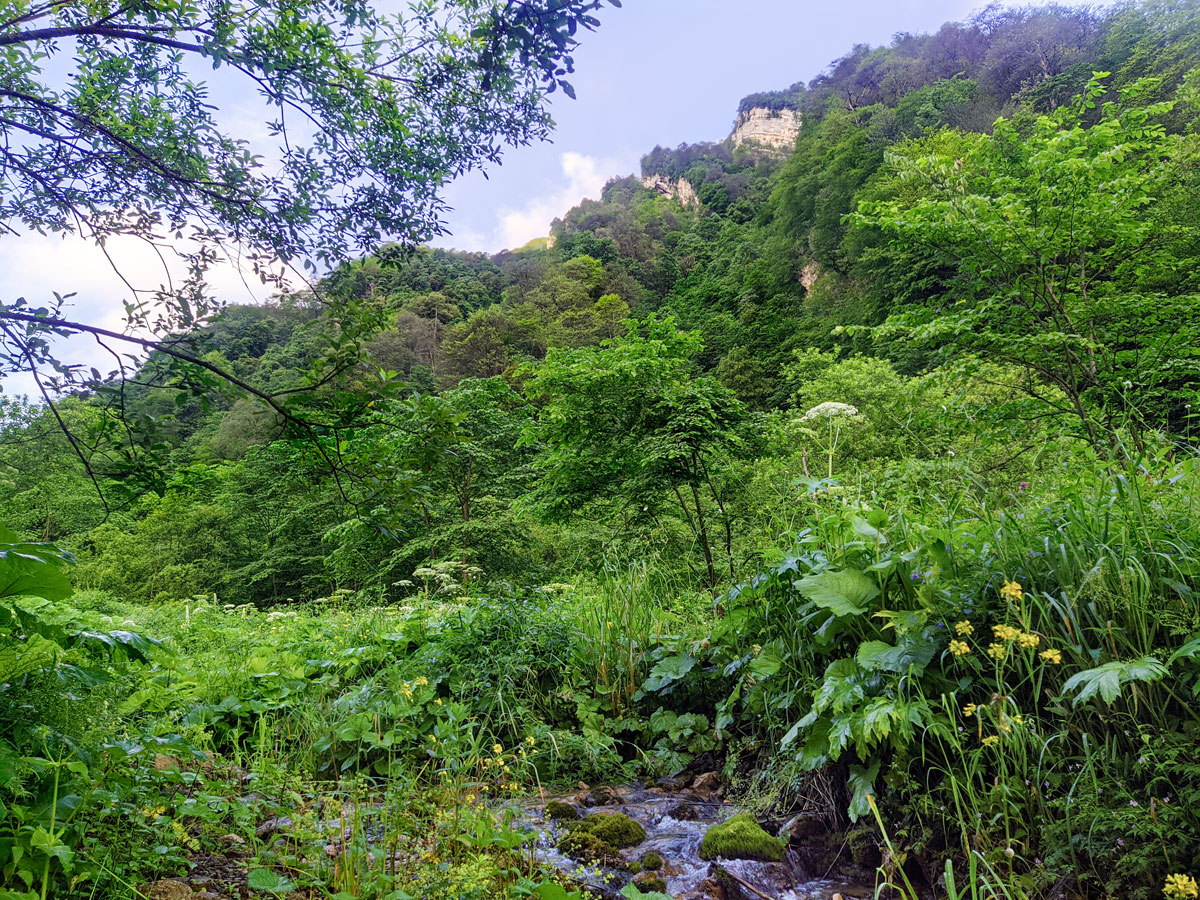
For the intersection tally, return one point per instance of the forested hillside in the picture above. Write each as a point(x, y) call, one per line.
point(860, 472)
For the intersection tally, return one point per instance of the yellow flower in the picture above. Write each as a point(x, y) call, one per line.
point(964, 628)
point(1181, 887)
point(1028, 641)
point(991, 740)
point(530, 740)
point(497, 749)
point(1012, 591)
point(1006, 632)
point(969, 710)
point(997, 651)
point(437, 701)
point(1051, 656)
point(1018, 719)
point(960, 648)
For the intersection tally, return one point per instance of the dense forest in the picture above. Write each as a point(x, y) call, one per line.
point(854, 487)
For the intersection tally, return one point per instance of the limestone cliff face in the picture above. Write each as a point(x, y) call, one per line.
point(762, 127)
point(681, 190)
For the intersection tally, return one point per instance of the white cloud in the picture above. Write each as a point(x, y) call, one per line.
point(34, 266)
point(583, 176)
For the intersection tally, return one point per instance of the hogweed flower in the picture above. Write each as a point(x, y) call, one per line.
point(1006, 633)
point(1028, 641)
point(830, 409)
point(969, 710)
point(964, 628)
point(991, 740)
point(997, 651)
point(1051, 656)
point(960, 648)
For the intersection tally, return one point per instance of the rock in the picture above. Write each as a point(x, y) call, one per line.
point(616, 829)
point(557, 809)
point(649, 882)
point(272, 825)
point(199, 882)
point(603, 796)
point(684, 812)
point(707, 784)
point(166, 763)
point(209, 895)
point(802, 828)
point(740, 837)
point(651, 861)
point(167, 889)
point(233, 840)
point(583, 846)
point(767, 128)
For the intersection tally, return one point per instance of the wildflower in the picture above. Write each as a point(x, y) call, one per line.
point(963, 628)
point(1018, 719)
point(1051, 656)
point(437, 701)
point(1028, 641)
point(997, 651)
point(1181, 887)
point(969, 710)
point(1006, 632)
point(991, 740)
point(1012, 591)
point(530, 740)
point(960, 648)
point(497, 749)
point(830, 409)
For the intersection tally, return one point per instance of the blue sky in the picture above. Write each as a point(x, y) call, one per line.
point(656, 72)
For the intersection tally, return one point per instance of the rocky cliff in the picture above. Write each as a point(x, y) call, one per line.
point(774, 129)
point(680, 189)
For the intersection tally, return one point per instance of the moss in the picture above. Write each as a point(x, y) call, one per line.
point(583, 846)
point(616, 829)
point(649, 884)
point(864, 846)
point(740, 838)
point(557, 809)
point(651, 861)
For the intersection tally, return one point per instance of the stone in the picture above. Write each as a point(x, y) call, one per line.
point(740, 837)
point(164, 763)
point(272, 825)
point(707, 784)
point(167, 889)
point(603, 796)
point(557, 809)
point(774, 130)
point(616, 829)
point(233, 840)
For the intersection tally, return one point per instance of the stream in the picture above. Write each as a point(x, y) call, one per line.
point(675, 823)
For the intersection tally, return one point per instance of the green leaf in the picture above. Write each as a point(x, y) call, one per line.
point(861, 782)
point(1107, 680)
point(668, 671)
point(913, 654)
point(270, 881)
point(844, 593)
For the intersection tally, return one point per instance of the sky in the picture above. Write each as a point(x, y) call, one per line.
point(656, 72)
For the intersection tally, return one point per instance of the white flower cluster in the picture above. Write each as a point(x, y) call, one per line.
point(829, 410)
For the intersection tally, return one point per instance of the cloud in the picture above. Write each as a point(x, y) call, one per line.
point(583, 177)
point(35, 266)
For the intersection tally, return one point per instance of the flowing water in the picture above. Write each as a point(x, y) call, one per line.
point(675, 823)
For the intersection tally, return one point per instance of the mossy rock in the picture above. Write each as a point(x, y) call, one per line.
point(649, 884)
point(583, 846)
point(740, 838)
point(616, 829)
point(864, 846)
point(651, 861)
point(560, 810)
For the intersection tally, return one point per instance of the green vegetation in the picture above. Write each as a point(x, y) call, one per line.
point(865, 486)
point(740, 837)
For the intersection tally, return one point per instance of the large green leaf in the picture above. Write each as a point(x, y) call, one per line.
point(844, 593)
point(913, 654)
point(1106, 680)
point(668, 671)
point(32, 569)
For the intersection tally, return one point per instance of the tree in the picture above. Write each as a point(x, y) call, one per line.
point(106, 129)
point(1075, 248)
point(629, 426)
